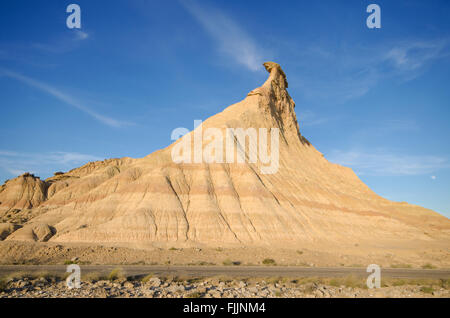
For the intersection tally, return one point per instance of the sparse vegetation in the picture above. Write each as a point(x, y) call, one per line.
point(427, 290)
point(227, 262)
point(335, 283)
point(444, 283)
point(69, 262)
point(58, 173)
point(194, 280)
point(399, 282)
point(277, 280)
point(173, 249)
point(94, 277)
point(146, 278)
point(401, 266)
point(269, 261)
point(3, 284)
point(115, 274)
point(300, 252)
point(428, 266)
point(194, 295)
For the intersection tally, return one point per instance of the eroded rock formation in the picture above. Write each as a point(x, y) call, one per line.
point(153, 200)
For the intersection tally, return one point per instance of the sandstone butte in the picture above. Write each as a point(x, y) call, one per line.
point(153, 201)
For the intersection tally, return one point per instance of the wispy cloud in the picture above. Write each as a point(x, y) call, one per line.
point(386, 163)
point(81, 35)
point(410, 56)
point(67, 99)
point(330, 74)
point(309, 118)
point(64, 43)
point(17, 163)
point(229, 36)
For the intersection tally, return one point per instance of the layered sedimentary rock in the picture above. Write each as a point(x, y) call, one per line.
point(155, 200)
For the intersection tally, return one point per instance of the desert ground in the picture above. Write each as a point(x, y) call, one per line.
point(116, 284)
point(47, 253)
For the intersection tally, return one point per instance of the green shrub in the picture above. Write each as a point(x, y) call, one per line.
point(269, 261)
point(428, 266)
point(227, 262)
point(401, 266)
point(427, 290)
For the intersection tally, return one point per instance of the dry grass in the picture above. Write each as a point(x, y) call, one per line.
point(93, 277)
point(427, 290)
point(35, 275)
point(115, 274)
point(401, 266)
point(3, 284)
point(194, 280)
point(146, 278)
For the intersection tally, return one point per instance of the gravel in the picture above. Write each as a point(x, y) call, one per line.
point(157, 288)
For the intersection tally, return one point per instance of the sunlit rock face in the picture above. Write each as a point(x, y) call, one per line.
point(155, 201)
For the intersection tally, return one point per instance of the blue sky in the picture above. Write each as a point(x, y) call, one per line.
point(375, 100)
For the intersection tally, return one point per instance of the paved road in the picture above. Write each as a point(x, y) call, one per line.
point(233, 271)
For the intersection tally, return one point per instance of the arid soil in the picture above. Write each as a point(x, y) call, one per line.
point(354, 256)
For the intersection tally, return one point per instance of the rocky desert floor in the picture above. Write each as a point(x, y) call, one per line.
point(115, 285)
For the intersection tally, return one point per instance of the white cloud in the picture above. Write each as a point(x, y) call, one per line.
point(71, 40)
point(231, 39)
point(433, 177)
point(43, 164)
point(81, 35)
point(385, 163)
point(69, 100)
point(410, 56)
